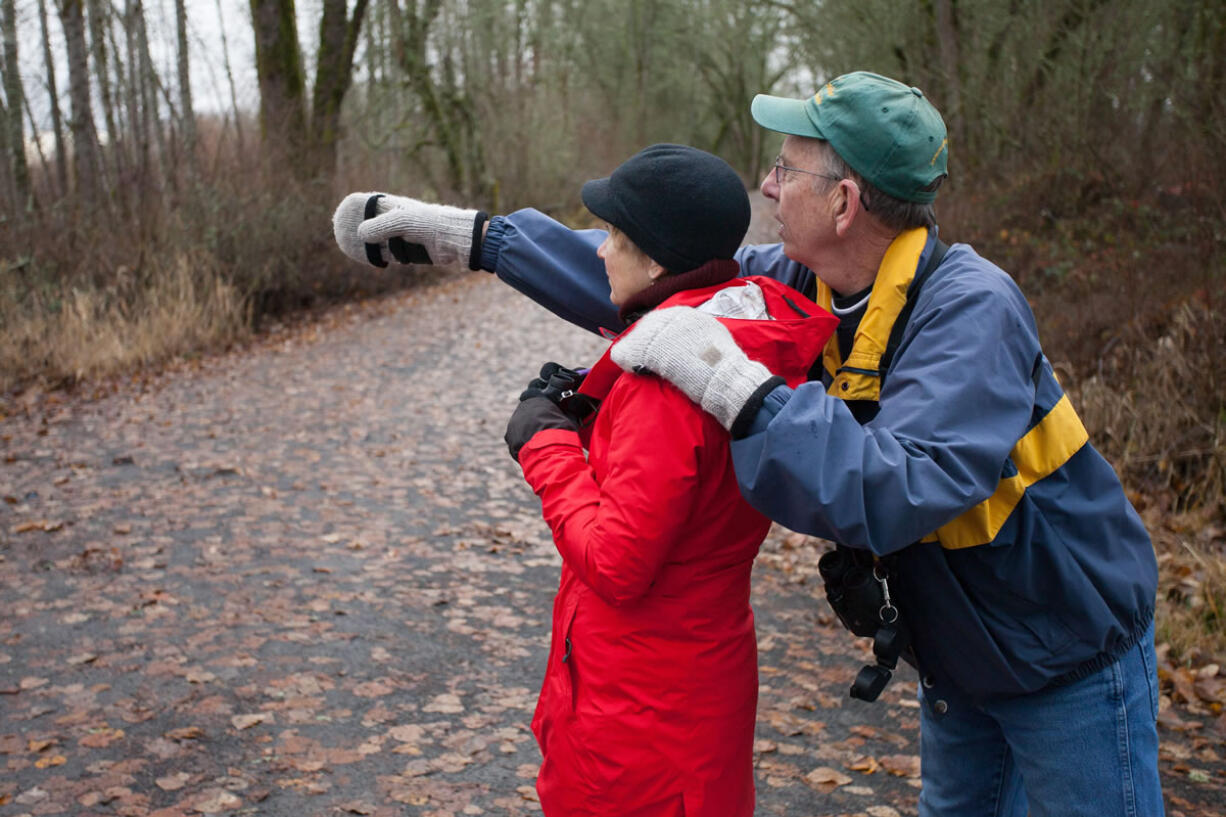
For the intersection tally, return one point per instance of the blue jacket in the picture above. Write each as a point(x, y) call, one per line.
point(1021, 563)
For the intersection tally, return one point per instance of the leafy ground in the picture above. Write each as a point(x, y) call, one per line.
point(306, 578)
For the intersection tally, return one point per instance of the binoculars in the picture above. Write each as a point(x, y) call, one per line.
point(561, 385)
point(858, 590)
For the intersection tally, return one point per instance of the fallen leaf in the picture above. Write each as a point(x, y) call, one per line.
point(406, 733)
point(901, 765)
point(882, 811)
point(31, 796)
point(372, 689)
point(101, 738)
point(215, 801)
point(248, 721)
point(50, 760)
point(447, 704)
point(826, 779)
point(38, 524)
point(173, 782)
point(185, 733)
point(865, 763)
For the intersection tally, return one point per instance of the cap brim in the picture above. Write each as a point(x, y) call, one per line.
point(598, 198)
point(784, 115)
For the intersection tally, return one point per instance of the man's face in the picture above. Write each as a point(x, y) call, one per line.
point(804, 213)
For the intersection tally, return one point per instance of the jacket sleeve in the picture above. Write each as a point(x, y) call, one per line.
point(959, 396)
point(553, 265)
point(558, 268)
point(616, 535)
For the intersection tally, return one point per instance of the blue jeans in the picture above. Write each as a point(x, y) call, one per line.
point(1088, 748)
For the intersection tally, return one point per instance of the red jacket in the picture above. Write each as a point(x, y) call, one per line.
point(650, 692)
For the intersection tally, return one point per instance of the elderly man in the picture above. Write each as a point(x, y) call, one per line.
point(938, 451)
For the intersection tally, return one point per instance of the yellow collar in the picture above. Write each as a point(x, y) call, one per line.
point(859, 378)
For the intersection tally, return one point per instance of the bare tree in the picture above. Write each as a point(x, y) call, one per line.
point(445, 103)
point(150, 89)
point(86, 168)
point(278, 63)
point(187, 114)
point(225, 54)
point(947, 29)
point(15, 96)
point(99, 12)
point(338, 39)
point(57, 123)
point(132, 91)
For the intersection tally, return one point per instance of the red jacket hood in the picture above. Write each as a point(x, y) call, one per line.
point(787, 345)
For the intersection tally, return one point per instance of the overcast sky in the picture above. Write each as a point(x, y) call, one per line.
point(206, 19)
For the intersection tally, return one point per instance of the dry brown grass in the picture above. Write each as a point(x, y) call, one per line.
point(1191, 615)
point(94, 332)
point(1156, 406)
point(176, 269)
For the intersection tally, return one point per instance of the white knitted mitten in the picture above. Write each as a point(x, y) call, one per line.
point(445, 232)
point(696, 353)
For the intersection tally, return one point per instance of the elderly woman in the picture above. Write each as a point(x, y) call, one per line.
point(650, 691)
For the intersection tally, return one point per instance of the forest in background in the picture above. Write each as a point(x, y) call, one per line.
point(1087, 145)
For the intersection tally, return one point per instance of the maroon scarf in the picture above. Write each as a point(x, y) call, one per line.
point(716, 271)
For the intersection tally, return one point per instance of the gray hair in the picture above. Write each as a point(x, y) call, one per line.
point(893, 213)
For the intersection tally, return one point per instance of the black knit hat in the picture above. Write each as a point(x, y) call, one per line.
point(680, 205)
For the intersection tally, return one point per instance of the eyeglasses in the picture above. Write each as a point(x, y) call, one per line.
point(781, 169)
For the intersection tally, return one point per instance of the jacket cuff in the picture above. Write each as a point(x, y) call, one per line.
point(491, 245)
point(745, 417)
point(547, 438)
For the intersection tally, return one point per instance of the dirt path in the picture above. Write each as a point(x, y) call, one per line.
point(306, 579)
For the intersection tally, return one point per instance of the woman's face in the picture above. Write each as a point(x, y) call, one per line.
point(630, 271)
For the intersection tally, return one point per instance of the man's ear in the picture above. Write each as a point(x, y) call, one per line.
point(655, 272)
point(848, 206)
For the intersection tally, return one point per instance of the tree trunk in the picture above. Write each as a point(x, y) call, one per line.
point(449, 113)
point(137, 123)
point(947, 41)
point(99, 23)
point(278, 62)
point(149, 87)
point(42, 158)
point(86, 169)
point(187, 115)
point(338, 39)
point(14, 94)
point(57, 122)
point(225, 53)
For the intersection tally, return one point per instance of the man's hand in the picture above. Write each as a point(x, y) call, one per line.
point(696, 353)
point(375, 228)
point(532, 416)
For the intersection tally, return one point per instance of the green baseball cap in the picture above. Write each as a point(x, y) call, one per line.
point(888, 132)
